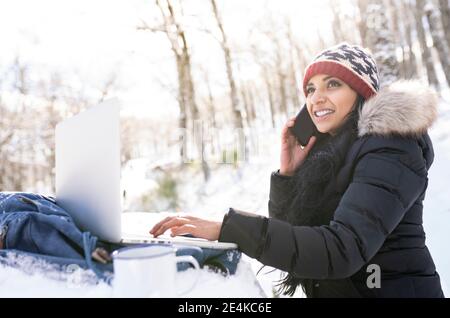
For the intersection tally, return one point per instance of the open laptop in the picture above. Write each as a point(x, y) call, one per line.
point(88, 177)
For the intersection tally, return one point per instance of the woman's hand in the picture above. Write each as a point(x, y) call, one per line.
point(180, 225)
point(292, 154)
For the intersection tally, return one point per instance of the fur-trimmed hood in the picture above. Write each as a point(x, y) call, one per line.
point(406, 108)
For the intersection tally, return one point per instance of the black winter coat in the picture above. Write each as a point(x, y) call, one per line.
point(378, 220)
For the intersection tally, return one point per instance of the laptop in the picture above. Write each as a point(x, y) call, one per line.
point(88, 170)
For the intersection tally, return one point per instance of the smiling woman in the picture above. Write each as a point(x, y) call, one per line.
point(352, 200)
point(329, 101)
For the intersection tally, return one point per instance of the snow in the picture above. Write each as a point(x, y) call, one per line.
point(79, 283)
point(436, 216)
point(246, 188)
point(18, 283)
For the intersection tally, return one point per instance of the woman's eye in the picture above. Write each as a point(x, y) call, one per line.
point(333, 83)
point(309, 90)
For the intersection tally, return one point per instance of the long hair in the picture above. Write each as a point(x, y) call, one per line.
point(315, 199)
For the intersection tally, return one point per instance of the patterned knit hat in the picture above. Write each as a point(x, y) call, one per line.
point(350, 63)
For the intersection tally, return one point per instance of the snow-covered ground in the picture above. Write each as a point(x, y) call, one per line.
point(436, 216)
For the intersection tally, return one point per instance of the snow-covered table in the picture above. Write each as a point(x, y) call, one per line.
point(17, 283)
point(33, 281)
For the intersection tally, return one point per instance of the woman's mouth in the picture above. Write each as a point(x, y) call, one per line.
point(322, 114)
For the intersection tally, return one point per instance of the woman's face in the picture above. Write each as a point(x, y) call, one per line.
point(329, 100)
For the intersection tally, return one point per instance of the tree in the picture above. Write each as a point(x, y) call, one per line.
point(210, 102)
point(248, 99)
point(362, 26)
point(379, 40)
point(236, 110)
point(337, 27)
point(281, 75)
point(445, 16)
point(398, 33)
point(280, 62)
point(410, 59)
point(438, 37)
point(268, 82)
point(426, 53)
point(176, 35)
point(295, 68)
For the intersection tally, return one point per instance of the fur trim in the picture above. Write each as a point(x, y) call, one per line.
point(406, 108)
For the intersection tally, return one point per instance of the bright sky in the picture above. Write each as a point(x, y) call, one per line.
point(98, 37)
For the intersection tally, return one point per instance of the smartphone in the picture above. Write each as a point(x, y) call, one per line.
point(304, 127)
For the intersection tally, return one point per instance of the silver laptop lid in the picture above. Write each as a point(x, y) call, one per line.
point(88, 169)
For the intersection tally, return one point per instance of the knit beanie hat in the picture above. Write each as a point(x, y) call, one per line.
point(351, 64)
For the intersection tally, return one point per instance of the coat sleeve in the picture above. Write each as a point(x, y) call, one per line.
point(381, 191)
point(281, 193)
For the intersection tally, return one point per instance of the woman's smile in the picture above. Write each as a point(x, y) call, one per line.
point(323, 114)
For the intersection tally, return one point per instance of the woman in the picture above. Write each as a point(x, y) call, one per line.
point(350, 202)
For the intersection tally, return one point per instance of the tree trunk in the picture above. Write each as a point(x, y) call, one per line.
point(210, 102)
point(299, 53)
point(398, 34)
point(294, 70)
point(247, 97)
point(426, 53)
point(437, 34)
point(411, 65)
point(236, 107)
point(270, 95)
point(362, 8)
point(190, 91)
point(168, 24)
point(282, 90)
point(381, 43)
point(338, 31)
point(186, 91)
point(445, 16)
point(182, 119)
point(251, 101)
point(237, 116)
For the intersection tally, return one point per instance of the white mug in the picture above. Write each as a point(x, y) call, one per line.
point(148, 271)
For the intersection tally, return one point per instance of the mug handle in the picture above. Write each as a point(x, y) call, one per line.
point(193, 261)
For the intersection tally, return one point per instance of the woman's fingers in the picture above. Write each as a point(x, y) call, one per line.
point(197, 227)
point(186, 224)
point(183, 229)
point(165, 225)
point(310, 144)
point(290, 122)
point(158, 225)
point(174, 221)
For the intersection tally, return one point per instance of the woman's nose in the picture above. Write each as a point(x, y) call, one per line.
point(317, 97)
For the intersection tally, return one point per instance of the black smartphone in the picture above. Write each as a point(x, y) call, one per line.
point(304, 127)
